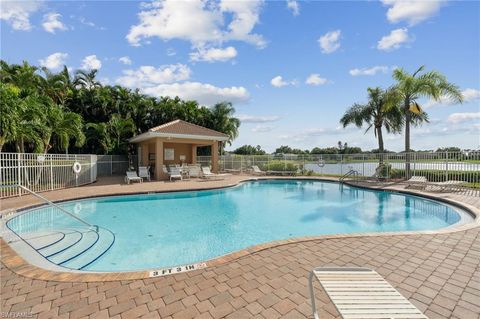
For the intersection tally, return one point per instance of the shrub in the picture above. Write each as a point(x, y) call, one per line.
point(281, 166)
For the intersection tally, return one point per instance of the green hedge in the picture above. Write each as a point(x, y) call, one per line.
point(281, 166)
point(439, 176)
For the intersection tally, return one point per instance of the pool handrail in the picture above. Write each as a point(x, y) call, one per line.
point(49, 202)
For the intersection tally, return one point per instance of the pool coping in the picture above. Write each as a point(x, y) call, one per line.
point(16, 263)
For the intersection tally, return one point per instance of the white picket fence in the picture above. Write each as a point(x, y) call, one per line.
point(44, 172)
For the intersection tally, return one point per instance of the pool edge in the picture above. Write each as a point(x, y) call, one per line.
point(12, 260)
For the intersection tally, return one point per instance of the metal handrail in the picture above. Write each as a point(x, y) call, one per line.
point(95, 227)
point(351, 172)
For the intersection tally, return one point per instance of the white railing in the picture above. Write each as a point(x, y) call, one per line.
point(435, 166)
point(44, 172)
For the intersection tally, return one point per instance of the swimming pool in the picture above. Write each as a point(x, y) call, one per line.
point(167, 229)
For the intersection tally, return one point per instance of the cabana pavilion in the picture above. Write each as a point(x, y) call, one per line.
point(176, 142)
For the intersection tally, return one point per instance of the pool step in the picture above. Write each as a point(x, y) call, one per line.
point(41, 239)
point(88, 240)
point(70, 238)
point(106, 240)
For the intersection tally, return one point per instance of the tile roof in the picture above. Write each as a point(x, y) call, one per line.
point(185, 128)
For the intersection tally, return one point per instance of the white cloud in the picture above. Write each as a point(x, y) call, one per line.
point(278, 81)
point(147, 76)
point(329, 42)
point(293, 5)
point(17, 13)
point(205, 94)
point(262, 128)
point(412, 11)
point(369, 71)
point(91, 62)
point(214, 54)
point(469, 95)
point(125, 60)
point(51, 22)
point(394, 40)
point(315, 79)
point(199, 22)
point(164, 81)
point(463, 117)
point(54, 61)
point(258, 119)
point(86, 22)
point(171, 52)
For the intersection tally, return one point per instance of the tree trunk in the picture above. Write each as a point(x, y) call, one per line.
point(380, 144)
point(407, 138)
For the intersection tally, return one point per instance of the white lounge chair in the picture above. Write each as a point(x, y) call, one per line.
point(447, 185)
point(362, 293)
point(194, 170)
point(173, 172)
point(257, 171)
point(207, 174)
point(132, 176)
point(143, 172)
point(419, 182)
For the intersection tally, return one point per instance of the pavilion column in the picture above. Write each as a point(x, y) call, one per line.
point(215, 157)
point(144, 147)
point(194, 154)
point(158, 159)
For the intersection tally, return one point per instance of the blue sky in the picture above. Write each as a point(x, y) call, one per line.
point(291, 68)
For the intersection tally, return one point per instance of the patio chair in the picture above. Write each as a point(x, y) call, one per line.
point(419, 182)
point(194, 170)
point(257, 171)
point(144, 172)
point(361, 293)
point(447, 185)
point(207, 174)
point(172, 172)
point(132, 176)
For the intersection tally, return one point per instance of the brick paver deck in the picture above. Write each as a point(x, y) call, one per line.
point(439, 273)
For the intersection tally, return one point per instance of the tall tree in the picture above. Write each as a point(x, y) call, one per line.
point(411, 87)
point(10, 115)
point(375, 113)
point(222, 120)
point(63, 126)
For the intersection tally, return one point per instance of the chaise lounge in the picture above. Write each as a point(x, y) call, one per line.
point(361, 293)
point(132, 176)
point(207, 174)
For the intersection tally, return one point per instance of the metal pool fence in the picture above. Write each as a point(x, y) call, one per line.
point(114, 164)
point(44, 172)
point(435, 166)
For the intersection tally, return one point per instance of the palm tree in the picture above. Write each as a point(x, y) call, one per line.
point(29, 124)
point(9, 102)
point(411, 87)
point(120, 130)
point(374, 114)
point(86, 79)
point(222, 120)
point(62, 125)
point(97, 138)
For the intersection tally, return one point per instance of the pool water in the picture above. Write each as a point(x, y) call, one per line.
point(160, 230)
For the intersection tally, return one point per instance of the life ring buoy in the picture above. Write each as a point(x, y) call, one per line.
point(321, 163)
point(77, 167)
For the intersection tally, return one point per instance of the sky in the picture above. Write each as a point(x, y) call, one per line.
point(290, 68)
